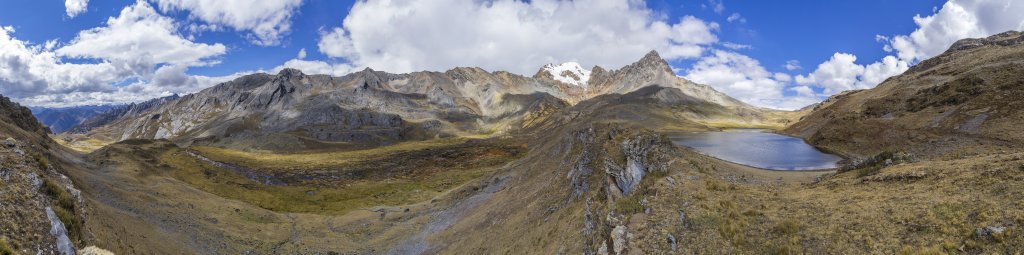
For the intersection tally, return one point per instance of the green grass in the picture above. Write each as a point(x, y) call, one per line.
point(629, 205)
point(5, 249)
point(317, 160)
point(331, 199)
point(65, 207)
point(41, 160)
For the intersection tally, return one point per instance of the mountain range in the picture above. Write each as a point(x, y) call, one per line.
point(568, 161)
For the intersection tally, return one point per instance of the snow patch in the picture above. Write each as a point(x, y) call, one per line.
point(569, 73)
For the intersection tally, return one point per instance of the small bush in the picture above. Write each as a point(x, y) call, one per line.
point(62, 197)
point(5, 249)
point(629, 205)
point(42, 161)
point(71, 223)
point(787, 227)
point(65, 209)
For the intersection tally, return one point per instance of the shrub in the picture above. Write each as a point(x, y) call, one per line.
point(42, 161)
point(787, 227)
point(5, 249)
point(65, 209)
point(629, 205)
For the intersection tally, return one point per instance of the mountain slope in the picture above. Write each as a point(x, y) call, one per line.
point(63, 119)
point(294, 110)
point(41, 210)
point(968, 97)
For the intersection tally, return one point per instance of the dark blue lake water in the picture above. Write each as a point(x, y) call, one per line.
point(759, 148)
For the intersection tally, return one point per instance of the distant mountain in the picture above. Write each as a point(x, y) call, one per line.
point(113, 113)
point(61, 119)
point(290, 109)
point(970, 95)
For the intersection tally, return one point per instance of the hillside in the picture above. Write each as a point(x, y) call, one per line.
point(41, 210)
point(966, 100)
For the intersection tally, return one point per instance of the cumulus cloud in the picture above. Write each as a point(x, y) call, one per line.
point(957, 19)
point(745, 79)
point(509, 35)
point(317, 67)
point(142, 36)
point(136, 56)
point(265, 20)
point(841, 73)
point(75, 7)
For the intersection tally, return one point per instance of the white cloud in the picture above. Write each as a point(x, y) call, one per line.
point(75, 7)
point(140, 36)
point(792, 65)
point(745, 79)
point(509, 35)
point(137, 56)
point(804, 91)
point(302, 54)
point(957, 19)
point(316, 67)
point(266, 20)
point(736, 17)
point(736, 46)
point(841, 73)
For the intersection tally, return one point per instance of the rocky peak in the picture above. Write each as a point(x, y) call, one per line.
point(653, 61)
point(1007, 38)
point(289, 73)
point(568, 73)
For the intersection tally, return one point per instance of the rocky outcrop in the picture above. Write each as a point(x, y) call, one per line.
point(20, 116)
point(37, 201)
point(607, 163)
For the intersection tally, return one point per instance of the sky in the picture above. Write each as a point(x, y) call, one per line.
point(777, 54)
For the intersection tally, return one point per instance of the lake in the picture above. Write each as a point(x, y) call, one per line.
point(759, 148)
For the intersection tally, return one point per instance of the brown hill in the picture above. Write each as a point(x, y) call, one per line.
point(970, 96)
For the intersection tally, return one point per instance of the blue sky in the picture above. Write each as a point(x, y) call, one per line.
point(738, 47)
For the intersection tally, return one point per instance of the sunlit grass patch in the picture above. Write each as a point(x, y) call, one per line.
point(314, 160)
point(331, 197)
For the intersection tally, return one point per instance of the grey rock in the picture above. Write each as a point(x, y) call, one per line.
point(58, 231)
point(10, 142)
point(672, 241)
point(619, 241)
point(989, 231)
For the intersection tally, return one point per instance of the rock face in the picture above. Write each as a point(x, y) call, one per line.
point(32, 187)
point(58, 231)
point(373, 106)
point(607, 163)
point(20, 116)
point(971, 94)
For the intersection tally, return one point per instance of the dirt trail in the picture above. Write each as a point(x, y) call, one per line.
point(440, 221)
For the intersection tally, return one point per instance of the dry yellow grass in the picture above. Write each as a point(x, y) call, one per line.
point(81, 144)
point(315, 160)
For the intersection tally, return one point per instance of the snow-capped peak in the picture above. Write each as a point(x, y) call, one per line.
point(569, 73)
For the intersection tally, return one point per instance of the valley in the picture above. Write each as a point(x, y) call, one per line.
point(475, 162)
